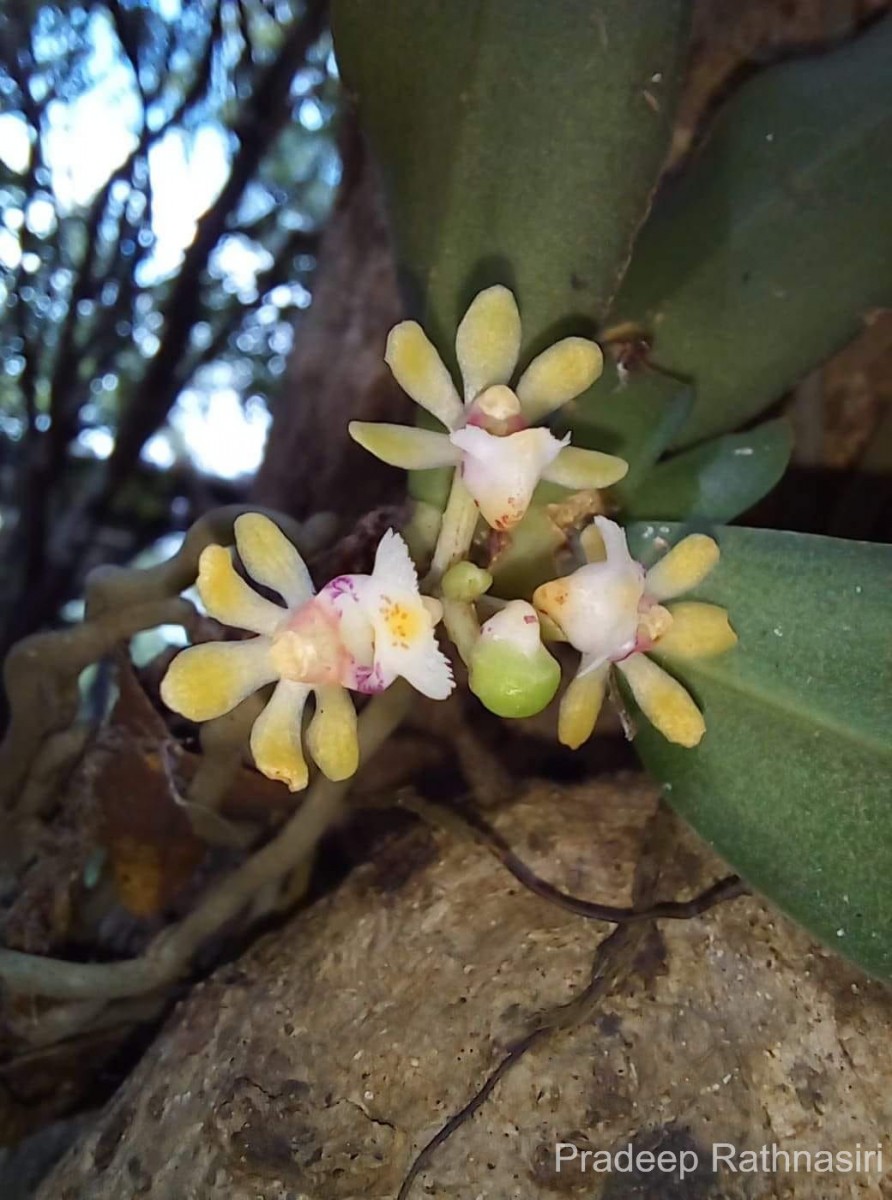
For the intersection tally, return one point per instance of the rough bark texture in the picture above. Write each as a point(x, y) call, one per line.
point(337, 370)
point(320, 1064)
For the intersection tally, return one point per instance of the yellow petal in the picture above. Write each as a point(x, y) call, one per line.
point(577, 469)
point(561, 372)
point(331, 737)
point(419, 370)
point(276, 736)
point(697, 631)
point(488, 340)
point(229, 599)
point(579, 708)
point(403, 446)
point(271, 559)
point(685, 566)
point(206, 681)
point(663, 701)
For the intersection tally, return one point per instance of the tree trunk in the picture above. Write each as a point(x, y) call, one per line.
point(337, 369)
point(322, 1063)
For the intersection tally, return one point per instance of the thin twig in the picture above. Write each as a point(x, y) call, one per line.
point(471, 824)
point(612, 959)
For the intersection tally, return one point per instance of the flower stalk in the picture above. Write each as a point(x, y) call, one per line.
point(456, 532)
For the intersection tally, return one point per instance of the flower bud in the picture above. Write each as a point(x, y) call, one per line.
point(463, 581)
point(511, 672)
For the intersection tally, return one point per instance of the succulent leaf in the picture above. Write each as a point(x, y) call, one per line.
point(718, 480)
point(501, 169)
point(773, 247)
point(791, 782)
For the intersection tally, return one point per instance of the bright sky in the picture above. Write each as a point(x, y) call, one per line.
point(86, 141)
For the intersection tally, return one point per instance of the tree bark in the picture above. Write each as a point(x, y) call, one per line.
point(337, 369)
point(321, 1064)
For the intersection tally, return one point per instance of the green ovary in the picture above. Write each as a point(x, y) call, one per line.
point(510, 683)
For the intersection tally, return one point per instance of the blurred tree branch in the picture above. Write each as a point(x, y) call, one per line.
point(94, 335)
point(265, 112)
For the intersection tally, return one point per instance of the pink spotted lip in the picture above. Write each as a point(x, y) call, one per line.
point(342, 585)
point(368, 680)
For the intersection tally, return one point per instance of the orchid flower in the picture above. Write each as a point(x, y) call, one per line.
point(387, 627)
point(312, 643)
point(612, 611)
point(492, 437)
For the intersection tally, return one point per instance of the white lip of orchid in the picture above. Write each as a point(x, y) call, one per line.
point(612, 615)
point(404, 622)
point(386, 626)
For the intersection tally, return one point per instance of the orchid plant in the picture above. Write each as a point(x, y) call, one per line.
point(743, 661)
point(360, 632)
point(574, 475)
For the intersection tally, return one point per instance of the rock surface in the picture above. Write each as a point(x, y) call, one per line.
point(320, 1064)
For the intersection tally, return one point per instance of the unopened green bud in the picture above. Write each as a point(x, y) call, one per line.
point(465, 582)
point(511, 672)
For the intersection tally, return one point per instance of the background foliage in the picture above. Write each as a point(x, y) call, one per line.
point(140, 278)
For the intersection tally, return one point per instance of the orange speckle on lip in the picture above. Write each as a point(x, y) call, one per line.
point(404, 624)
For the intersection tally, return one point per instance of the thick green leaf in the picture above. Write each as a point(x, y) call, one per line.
point(718, 480)
point(519, 144)
point(638, 431)
point(431, 486)
point(772, 247)
point(793, 781)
